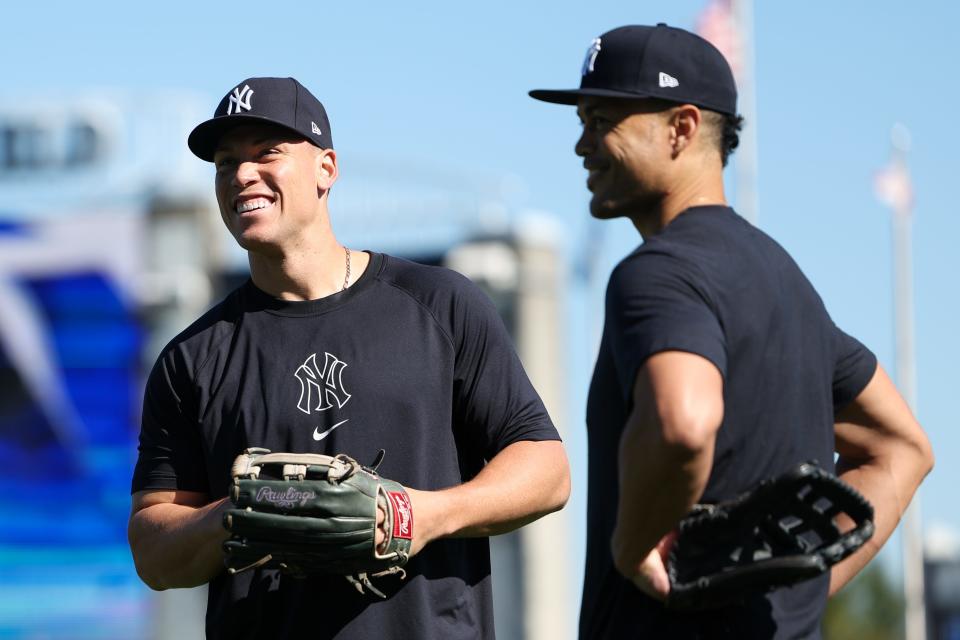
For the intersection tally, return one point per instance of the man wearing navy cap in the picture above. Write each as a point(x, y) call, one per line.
point(331, 350)
point(719, 366)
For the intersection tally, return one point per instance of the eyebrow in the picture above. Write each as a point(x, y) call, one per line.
point(276, 138)
point(589, 110)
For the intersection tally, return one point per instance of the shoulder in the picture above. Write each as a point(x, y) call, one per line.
point(434, 287)
point(656, 264)
point(191, 347)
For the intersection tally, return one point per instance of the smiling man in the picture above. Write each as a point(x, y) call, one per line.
point(719, 366)
point(330, 350)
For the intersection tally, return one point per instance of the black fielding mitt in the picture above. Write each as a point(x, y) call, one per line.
point(780, 533)
point(305, 513)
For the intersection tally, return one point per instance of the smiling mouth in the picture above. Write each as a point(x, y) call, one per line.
point(245, 206)
point(593, 176)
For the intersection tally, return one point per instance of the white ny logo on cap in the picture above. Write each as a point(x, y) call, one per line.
point(240, 100)
point(591, 57)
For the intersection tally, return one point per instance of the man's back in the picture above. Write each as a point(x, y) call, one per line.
point(712, 285)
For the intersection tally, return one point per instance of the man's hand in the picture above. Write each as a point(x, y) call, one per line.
point(651, 575)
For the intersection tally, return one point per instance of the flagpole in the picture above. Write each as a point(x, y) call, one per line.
point(746, 157)
point(902, 209)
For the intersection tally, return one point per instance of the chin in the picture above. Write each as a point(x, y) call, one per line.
point(253, 242)
point(605, 210)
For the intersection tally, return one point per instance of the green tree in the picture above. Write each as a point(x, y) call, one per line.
point(869, 608)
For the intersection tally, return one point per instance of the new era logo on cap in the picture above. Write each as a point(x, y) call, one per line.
point(667, 80)
point(282, 102)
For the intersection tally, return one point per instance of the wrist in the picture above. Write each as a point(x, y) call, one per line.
point(431, 520)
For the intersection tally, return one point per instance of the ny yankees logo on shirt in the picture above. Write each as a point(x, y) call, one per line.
point(321, 389)
point(331, 378)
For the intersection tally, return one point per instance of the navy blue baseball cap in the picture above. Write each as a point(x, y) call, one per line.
point(280, 101)
point(653, 62)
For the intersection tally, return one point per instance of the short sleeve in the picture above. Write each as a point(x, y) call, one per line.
point(494, 401)
point(656, 302)
point(170, 451)
point(854, 367)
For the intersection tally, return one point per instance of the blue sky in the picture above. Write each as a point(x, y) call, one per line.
point(439, 88)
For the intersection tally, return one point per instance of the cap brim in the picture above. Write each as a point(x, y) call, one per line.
point(205, 137)
point(570, 96)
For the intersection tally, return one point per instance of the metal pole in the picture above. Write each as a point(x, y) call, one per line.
point(746, 155)
point(915, 615)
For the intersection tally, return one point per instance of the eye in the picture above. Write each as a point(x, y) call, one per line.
point(267, 152)
point(222, 162)
point(597, 123)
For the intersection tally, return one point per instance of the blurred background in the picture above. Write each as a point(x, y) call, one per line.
point(110, 243)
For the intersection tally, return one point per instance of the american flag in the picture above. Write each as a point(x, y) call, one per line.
point(893, 186)
point(717, 24)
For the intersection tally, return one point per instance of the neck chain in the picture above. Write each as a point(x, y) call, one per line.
point(346, 278)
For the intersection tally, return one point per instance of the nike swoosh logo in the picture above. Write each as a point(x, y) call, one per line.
point(318, 435)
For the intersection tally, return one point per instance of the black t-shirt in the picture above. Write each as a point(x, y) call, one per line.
point(410, 359)
point(713, 285)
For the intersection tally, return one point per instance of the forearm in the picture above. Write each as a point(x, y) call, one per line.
point(660, 482)
point(666, 451)
point(885, 455)
point(889, 484)
point(176, 545)
point(522, 483)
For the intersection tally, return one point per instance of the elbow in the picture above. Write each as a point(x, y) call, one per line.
point(690, 432)
point(147, 575)
point(150, 579)
point(926, 457)
point(561, 493)
point(147, 568)
point(916, 447)
point(555, 490)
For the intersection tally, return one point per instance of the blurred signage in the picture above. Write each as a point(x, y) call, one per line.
point(90, 149)
point(67, 143)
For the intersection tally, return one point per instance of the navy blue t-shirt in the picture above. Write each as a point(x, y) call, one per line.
point(712, 284)
point(410, 359)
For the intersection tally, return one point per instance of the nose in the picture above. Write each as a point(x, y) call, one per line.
point(585, 143)
point(245, 174)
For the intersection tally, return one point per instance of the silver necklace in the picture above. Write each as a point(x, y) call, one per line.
point(346, 278)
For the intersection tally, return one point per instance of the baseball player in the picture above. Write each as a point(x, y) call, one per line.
point(719, 366)
point(330, 350)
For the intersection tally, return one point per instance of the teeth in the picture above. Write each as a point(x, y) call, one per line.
point(250, 205)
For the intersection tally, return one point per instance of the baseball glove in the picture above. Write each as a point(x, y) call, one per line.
point(311, 513)
point(778, 534)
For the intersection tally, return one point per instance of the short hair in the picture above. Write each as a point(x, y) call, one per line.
point(725, 129)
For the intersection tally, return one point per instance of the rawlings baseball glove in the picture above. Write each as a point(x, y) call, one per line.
point(311, 513)
point(778, 534)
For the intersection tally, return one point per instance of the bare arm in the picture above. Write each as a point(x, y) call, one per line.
point(884, 454)
point(175, 537)
point(523, 482)
point(666, 453)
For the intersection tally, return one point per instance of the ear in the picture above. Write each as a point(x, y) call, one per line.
point(326, 169)
point(684, 127)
